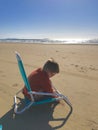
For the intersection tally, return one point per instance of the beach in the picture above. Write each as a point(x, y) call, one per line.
point(78, 80)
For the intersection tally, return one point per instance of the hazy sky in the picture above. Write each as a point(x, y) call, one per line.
point(54, 19)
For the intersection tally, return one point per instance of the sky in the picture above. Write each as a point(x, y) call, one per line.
point(53, 19)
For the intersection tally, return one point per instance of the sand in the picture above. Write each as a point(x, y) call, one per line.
point(78, 80)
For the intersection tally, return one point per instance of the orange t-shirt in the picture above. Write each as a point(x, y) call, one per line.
point(39, 82)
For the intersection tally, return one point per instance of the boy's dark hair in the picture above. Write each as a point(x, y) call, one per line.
point(51, 66)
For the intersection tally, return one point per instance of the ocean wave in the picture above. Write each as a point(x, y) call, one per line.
point(48, 41)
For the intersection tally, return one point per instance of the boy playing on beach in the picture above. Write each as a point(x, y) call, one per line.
point(40, 81)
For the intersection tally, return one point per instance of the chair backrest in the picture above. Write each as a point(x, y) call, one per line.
point(22, 71)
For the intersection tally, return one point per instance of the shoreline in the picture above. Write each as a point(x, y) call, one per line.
point(95, 44)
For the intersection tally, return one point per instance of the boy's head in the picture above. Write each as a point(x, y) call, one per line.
point(51, 67)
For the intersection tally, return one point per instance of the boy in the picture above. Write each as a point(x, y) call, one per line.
point(40, 81)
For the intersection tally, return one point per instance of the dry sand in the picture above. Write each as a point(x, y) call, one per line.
point(78, 79)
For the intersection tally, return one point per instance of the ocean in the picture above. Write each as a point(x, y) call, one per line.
point(48, 41)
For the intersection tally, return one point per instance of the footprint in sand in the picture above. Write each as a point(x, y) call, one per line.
point(93, 124)
point(80, 68)
point(15, 85)
point(93, 68)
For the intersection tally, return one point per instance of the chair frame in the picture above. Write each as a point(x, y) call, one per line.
point(58, 95)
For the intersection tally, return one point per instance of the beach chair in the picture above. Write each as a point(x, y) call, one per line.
point(29, 103)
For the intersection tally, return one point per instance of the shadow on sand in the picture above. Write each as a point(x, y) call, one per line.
point(36, 118)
